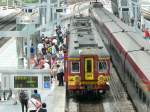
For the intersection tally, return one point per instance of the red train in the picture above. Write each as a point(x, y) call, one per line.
point(130, 54)
point(87, 63)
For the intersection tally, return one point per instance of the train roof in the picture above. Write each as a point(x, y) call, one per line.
point(108, 18)
point(115, 26)
point(132, 42)
point(84, 40)
point(129, 43)
point(142, 59)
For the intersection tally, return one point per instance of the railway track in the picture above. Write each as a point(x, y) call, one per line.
point(7, 23)
point(7, 18)
point(91, 107)
point(84, 106)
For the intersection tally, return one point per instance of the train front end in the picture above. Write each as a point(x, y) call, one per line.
point(87, 65)
point(88, 74)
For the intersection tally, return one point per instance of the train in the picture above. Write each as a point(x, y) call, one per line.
point(29, 10)
point(87, 64)
point(129, 52)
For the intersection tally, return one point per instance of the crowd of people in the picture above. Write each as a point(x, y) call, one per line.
point(49, 51)
point(48, 54)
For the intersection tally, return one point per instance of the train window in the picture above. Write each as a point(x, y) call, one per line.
point(116, 55)
point(83, 24)
point(26, 10)
point(102, 66)
point(128, 73)
point(140, 93)
point(144, 98)
point(89, 66)
point(75, 67)
point(30, 10)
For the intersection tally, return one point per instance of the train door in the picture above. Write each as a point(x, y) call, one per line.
point(89, 68)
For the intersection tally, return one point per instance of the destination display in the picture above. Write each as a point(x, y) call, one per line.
point(25, 81)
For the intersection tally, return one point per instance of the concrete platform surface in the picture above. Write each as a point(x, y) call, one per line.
point(54, 98)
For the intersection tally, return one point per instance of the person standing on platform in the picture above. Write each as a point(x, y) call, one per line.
point(61, 78)
point(4, 94)
point(60, 75)
point(23, 96)
point(32, 50)
point(36, 95)
point(146, 33)
point(34, 105)
point(10, 94)
point(42, 38)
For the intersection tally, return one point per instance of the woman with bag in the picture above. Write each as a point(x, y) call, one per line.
point(34, 105)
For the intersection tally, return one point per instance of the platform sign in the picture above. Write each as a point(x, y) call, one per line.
point(47, 82)
point(27, 20)
point(25, 81)
point(59, 10)
point(125, 9)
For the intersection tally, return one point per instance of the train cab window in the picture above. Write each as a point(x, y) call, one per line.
point(89, 66)
point(102, 66)
point(83, 24)
point(30, 10)
point(75, 67)
point(144, 98)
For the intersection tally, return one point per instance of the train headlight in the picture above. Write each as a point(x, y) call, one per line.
point(101, 79)
point(107, 83)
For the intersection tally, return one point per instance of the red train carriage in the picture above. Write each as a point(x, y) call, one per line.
point(87, 62)
point(130, 55)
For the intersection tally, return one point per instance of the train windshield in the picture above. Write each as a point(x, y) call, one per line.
point(75, 67)
point(102, 66)
point(89, 66)
point(30, 10)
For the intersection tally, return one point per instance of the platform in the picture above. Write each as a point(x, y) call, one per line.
point(8, 55)
point(55, 99)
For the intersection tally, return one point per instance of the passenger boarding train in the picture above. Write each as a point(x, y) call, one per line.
point(87, 62)
point(130, 54)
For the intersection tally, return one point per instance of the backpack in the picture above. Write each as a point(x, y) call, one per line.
point(32, 49)
point(49, 49)
point(44, 51)
point(23, 96)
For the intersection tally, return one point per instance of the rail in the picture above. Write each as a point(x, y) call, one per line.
point(91, 107)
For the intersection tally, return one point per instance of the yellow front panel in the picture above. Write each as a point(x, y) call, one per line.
point(89, 74)
point(71, 80)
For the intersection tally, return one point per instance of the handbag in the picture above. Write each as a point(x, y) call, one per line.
point(37, 105)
